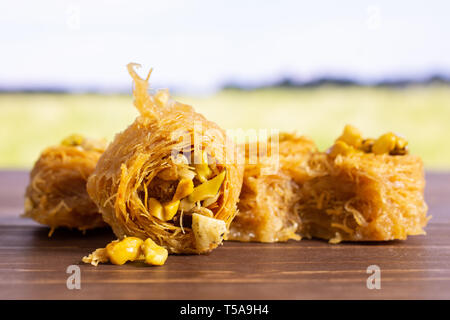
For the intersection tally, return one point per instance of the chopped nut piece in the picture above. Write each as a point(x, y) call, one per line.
point(155, 208)
point(208, 232)
point(186, 173)
point(185, 187)
point(385, 144)
point(203, 172)
point(154, 254)
point(367, 145)
point(401, 147)
point(96, 257)
point(73, 140)
point(170, 209)
point(128, 249)
point(208, 189)
point(201, 166)
point(340, 148)
point(351, 136)
point(186, 205)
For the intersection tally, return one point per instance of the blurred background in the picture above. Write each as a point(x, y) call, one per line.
point(309, 66)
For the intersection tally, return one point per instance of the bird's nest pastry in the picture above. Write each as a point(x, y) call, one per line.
point(359, 190)
point(56, 195)
point(166, 177)
point(364, 190)
point(270, 190)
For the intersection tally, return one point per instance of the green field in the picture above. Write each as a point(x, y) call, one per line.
point(30, 122)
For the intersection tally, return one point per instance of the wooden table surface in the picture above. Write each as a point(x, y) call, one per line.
point(33, 266)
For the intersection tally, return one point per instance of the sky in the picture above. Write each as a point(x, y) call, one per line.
point(199, 46)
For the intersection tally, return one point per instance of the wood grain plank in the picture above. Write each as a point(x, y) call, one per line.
point(33, 266)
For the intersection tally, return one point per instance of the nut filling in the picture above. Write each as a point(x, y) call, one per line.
point(183, 189)
point(351, 141)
